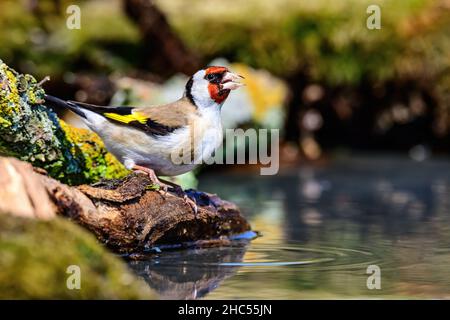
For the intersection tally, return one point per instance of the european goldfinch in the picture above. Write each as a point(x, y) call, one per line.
point(148, 138)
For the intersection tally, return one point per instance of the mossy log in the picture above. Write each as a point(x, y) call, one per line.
point(32, 132)
point(124, 214)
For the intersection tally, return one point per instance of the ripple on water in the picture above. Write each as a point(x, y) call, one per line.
point(187, 274)
point(329, 258)
point(266, 256)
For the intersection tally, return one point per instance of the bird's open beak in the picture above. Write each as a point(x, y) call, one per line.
point(230, 81)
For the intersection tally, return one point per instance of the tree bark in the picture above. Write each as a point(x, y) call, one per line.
point(124, 214)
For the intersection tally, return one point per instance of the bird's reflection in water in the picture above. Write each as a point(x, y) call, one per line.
point(189, 274)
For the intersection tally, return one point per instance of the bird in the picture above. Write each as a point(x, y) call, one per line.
point(168, 139)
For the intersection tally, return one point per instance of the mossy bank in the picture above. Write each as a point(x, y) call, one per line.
point(35, 257)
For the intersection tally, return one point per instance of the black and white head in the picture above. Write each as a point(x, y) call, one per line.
point(211, 86)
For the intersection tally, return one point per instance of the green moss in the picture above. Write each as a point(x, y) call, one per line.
point(35, 256)
point(327, 39)
point(99, 163)
point(65, 48)
point(33, 133)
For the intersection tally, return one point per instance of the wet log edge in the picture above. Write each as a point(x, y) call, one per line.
point(126, 215)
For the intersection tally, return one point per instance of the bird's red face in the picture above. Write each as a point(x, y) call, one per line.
point(220, 82)
point(211, 86)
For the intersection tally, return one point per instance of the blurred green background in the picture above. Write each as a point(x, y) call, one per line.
point(313, 69)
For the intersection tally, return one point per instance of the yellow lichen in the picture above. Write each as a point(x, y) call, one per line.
point(33, 133)
point(4, 122)
point(13, 96)
point(99, 162)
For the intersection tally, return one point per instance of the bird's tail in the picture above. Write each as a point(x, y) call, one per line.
point(59, 103)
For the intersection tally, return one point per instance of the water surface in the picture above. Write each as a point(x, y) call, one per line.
point(321, 228)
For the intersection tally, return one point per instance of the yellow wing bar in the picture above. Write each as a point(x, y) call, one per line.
point(135, 116)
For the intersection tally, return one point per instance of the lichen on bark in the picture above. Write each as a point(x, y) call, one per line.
point(32, 132)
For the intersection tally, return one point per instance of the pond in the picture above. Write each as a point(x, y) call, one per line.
point(321, 228)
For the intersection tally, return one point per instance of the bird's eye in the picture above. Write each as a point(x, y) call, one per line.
point(211, 76)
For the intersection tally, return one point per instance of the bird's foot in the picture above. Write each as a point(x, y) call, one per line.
point(153, 178)
point(203, 198)
point(165, 185)
point(177, 190)
point(191, 203)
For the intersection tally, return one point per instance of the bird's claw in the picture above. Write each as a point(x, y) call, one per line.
point(191, 203)
point(204, 199)
point(154, 179)
point(187, 200)
point(164, 187)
